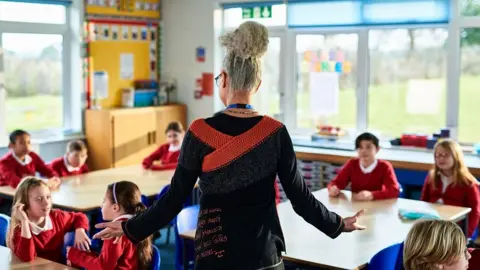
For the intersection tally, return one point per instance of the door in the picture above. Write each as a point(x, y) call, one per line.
point(326, 80)
point(268, 99)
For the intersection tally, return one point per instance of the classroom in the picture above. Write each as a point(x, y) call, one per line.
point(239, 134)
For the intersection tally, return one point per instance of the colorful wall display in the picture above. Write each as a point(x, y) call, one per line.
point(332, 60)
point(128, 8)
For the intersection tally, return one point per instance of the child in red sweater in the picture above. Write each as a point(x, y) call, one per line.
point(166, 156)
point(38, 230)
point(73, 162)
point(370, 178)
point(21, 162)
point(122, 200)
point(450, 182)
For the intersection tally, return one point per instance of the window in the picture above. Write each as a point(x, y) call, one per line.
point(407, 81)
point(321, 60)
point(32, 12)
point(468, 127)
point(470, 7)
point(233, 17)
point(33, 81)
point(40, 67)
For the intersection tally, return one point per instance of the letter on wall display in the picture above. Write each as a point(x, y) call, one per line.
point(126, 66)
point(125, 32)
point(114, 32)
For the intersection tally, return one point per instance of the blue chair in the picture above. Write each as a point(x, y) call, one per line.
point(68, 241)
point(145, 200)
point(402, 192)
point(4, 223)
point(156, 259)
point(390, 258)
point(185, 249)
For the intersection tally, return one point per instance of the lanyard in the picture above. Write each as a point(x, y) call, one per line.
point(239, 106)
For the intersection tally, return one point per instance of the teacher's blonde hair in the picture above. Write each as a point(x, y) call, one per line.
point(431, 243)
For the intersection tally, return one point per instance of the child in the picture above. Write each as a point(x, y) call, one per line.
point(38, 230)
point(21, 162)
point(370, 178)
point(167, 154)
point(73, 162)
point(122, 200)
point(438, 244)
point(450, 182)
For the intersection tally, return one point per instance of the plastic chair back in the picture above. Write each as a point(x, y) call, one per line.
point(390, 258)
point(4, 223)
point(184, 222)
point(156, 259)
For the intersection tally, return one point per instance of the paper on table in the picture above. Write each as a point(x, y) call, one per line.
point(324, 88)
point(423, 96)
point(126, 66)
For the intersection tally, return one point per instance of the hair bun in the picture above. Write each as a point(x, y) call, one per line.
point(249, 40)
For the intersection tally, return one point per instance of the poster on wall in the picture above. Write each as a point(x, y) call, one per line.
point(125, 32)
point(324, 91)
point(126, 66)
point(134, 33)
point(114, 32)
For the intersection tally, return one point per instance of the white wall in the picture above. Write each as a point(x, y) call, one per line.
point(188, 24)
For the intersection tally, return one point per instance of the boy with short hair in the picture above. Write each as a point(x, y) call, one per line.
point(370, 178)
point(73, 162)
point(21, 162)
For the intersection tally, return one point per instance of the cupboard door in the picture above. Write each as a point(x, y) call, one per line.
point(168, 114)
point(133, 137)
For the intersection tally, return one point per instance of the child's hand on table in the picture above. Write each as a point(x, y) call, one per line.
point(54, 182)
point(363, 195)
point(82, 241)
point(333, 191)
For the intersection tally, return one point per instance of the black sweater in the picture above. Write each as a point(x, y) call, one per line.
point(238, 226)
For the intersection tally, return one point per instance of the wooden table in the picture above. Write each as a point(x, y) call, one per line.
point(306, 245)
point(10, 261)
point(85, 192)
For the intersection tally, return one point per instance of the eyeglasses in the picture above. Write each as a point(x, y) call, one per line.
point(442, 155)
point(217, 78)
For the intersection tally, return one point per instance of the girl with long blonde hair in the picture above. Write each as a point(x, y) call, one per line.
point(38, 230)
point(450, 182)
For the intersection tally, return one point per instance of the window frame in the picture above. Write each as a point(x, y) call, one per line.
point(452, 79)
point(72, 78)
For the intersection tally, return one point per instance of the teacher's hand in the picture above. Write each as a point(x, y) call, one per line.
point(351, 222)
point(110, 230)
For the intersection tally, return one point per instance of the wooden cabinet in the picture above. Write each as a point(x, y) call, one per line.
point(122, 137)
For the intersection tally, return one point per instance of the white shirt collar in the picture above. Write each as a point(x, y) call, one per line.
point(445, 182)
point(28, 159)
point(69, 167)
point(174, 148)
point(38, 230)
point(370, 168)
point(126, 216)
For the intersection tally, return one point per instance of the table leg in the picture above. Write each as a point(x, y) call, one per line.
point(185, 255)
point(465, 226)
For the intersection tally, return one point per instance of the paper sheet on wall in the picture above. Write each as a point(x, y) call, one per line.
point(126, 66)
point(423, 96)
point(100, 84)
point(324, 88)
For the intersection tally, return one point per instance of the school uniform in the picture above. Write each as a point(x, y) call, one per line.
point(119, 256)
point(457, 195)
point(235, 161)
point(63, 168)
point(13, 170)
point(378, 178)
point(47, 242)
point(167, 154)
point(474, 262)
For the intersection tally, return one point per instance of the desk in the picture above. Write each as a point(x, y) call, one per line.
point(399, 158)
point(85, 192)
point(10, 261)
point(306, 245)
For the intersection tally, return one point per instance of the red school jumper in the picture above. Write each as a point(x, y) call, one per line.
point(12, 172)
point(119, 256)
point(382, 181)
point(459, 195)
point(59, 167)
point(169, 159)
point(48, 244)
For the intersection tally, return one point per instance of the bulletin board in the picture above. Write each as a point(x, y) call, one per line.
point(126, 50)
point(124, 8)
point(332, 60)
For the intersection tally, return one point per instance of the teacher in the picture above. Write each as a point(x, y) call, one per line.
point(236, 155)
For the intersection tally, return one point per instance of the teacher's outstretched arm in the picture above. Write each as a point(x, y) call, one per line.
point(169, 205)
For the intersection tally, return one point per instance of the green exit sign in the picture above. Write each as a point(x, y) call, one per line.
point(257, 12)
